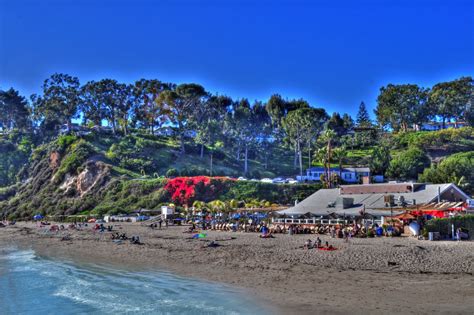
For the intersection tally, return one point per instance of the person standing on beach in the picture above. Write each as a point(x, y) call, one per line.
point(160, 222)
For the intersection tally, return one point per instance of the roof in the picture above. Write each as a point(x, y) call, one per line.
point(322, 202)
point(344, 169)
point(357, 169)
point(439, 123)
point(385, 188)
point(318, 168)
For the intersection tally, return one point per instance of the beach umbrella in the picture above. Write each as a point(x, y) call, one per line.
point(38, 217)
point(414, 228)
point(405, 216)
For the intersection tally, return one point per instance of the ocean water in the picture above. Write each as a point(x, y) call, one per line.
point(34, 285)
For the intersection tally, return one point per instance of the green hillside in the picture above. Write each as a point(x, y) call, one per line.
point(106, 174)
point(106, 146)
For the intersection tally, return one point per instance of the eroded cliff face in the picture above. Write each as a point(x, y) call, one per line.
point(60, 181)
point(93, 174)
point(54, 160)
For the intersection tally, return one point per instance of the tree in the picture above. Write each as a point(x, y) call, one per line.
point(149, 112)
point(337, 124)
point(339, 155)
point(91, 104)
point(399, 106)
point(457, 168)
point(14, 111)
point(450, 100)
point(380, 160)
point(408, 164)
point(348, 122)
point(278, 108)
point(125, 102)
point(108, 100)
point(318, 117)
point(209, 137)
point(59, 102)
point(321, 155)
point(241, 127)
point(302, 125)
point(325, 154)
point(210, 115)
point(217, 206)
point(363, 117)
point(181, 103)
point(262, 128)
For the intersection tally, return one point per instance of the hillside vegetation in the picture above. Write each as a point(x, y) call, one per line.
point(99, 174)
point(106, 146)
point(73, 175)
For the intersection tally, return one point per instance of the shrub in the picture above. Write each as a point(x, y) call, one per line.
point(443, 226)
point(408, 164)
point(185, 190)
point(172, 172)
point(457, 168)
point(65, 141)
point(74, 159)
point(426, 139)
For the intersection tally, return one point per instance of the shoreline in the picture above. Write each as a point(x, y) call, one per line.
point(356, 278)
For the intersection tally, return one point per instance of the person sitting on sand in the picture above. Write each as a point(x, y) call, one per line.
point(308, 244)
point(123, 236)
point(135, 240)
point(317, 243)
point(267, 235)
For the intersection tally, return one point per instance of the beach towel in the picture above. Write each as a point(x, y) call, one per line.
point(199, 235)
point(327, 249)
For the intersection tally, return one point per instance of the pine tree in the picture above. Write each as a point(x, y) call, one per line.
point(363, 118)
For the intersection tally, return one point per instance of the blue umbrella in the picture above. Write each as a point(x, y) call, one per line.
point(38, 217)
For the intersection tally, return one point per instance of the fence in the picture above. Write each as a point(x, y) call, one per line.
point(444, 226)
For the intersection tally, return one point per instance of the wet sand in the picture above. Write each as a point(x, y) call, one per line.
point(372, 275)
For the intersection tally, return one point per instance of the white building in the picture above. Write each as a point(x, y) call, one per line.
point(377, 200)
point(348, 174)
point(433, 126)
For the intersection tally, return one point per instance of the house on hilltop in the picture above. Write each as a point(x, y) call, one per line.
point(347, 175)
point(436, 125)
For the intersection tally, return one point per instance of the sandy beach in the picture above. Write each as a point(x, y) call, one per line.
point(373, 275)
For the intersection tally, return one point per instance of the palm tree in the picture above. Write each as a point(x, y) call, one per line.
point(328, 137)
point(340, 155)
point(199, 205)
point(322, 156)
point(217, 206)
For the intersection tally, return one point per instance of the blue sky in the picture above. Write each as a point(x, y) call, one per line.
point(332, 53)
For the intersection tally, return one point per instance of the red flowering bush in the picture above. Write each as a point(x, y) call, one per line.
point(185, 190)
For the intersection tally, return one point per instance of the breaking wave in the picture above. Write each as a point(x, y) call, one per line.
point(35, 285)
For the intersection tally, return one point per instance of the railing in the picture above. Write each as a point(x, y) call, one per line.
point(319, 221)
